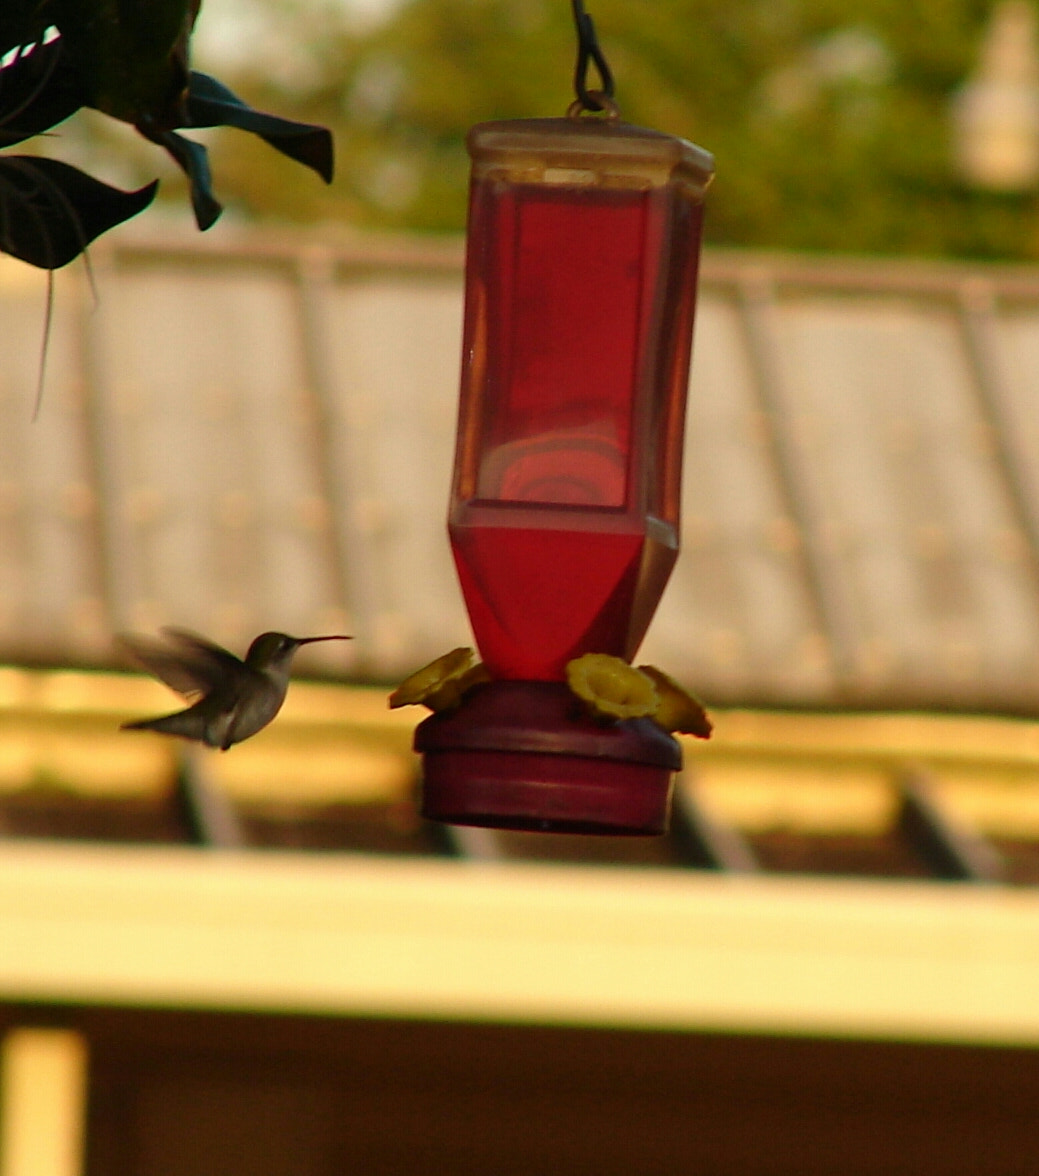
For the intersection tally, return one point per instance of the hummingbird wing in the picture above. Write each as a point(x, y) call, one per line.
point(185, 661)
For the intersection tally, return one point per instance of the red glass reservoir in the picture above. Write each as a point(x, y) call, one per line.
point(583, 249)
point(580, 289)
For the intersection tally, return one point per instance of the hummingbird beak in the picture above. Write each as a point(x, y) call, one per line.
point(333, 637)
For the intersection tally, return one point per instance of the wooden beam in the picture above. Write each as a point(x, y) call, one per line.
point(43, 1078)
point(517, 942)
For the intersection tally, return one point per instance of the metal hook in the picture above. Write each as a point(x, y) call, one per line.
point(588, 50)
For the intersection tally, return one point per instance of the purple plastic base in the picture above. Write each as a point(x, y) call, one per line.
point(523, 755)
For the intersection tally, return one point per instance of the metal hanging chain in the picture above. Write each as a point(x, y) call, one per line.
point(589, 51)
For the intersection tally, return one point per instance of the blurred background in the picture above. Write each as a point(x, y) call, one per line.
point(878, 128)
point(829, 963)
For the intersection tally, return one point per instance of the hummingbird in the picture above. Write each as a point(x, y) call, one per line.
point(238, 698)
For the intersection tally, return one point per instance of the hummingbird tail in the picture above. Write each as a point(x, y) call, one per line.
point(179, 723)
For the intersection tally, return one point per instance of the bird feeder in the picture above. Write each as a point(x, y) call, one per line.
point(581, 272)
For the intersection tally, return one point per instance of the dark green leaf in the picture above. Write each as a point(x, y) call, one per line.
point(22, 22)
point(131, 54)
point(37, 92)
point(194, 161)
point(211, 104)
point(50, 211)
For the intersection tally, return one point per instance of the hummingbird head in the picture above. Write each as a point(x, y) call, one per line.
point(275, 650)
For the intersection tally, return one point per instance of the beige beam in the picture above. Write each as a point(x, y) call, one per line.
point(42, 1102)
point(352, 935)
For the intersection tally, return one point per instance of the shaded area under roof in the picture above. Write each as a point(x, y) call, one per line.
point(244, 433)
point(944, 797)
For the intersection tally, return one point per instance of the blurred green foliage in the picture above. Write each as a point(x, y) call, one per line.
point(829, 122)
point(130, 60)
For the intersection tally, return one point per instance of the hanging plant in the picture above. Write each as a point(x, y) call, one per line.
point(128, 59)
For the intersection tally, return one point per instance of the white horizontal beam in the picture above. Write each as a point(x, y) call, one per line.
point(352, 935)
